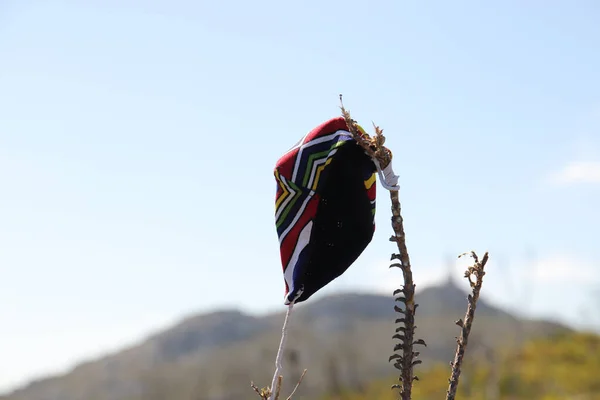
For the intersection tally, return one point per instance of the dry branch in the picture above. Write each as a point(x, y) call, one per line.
point(297, 385)
point(477, 270)
point(405, 333)
point(374, 147)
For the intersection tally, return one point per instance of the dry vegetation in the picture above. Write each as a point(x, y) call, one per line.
point(405, 357)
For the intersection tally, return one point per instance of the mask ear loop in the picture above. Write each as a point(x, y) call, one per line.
point(278, 366)
point(389, 180)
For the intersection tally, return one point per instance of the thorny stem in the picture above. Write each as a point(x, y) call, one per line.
point(477, 270)
point(373, 146)
point(407, 361)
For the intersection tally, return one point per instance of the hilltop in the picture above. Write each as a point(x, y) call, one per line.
point(343, 339)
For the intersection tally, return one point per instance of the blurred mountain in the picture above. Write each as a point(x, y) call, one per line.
point(342, 340)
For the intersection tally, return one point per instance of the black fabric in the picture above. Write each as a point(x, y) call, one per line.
point(343, 226)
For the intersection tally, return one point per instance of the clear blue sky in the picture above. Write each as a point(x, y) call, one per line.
point(138, 140)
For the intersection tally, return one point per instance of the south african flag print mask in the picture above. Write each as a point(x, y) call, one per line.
point(324, 208)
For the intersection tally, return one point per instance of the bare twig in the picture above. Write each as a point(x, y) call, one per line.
point(297, 385)
point(373, 146)
point(477, 270)
point(263, 393)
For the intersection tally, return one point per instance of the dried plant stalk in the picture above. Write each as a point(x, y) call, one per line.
point(477, 270)
point(374, 147)
point(297, 385)
point(405, 333)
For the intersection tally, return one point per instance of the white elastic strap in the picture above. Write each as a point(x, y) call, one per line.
point(389, 180)
point(278, 366)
